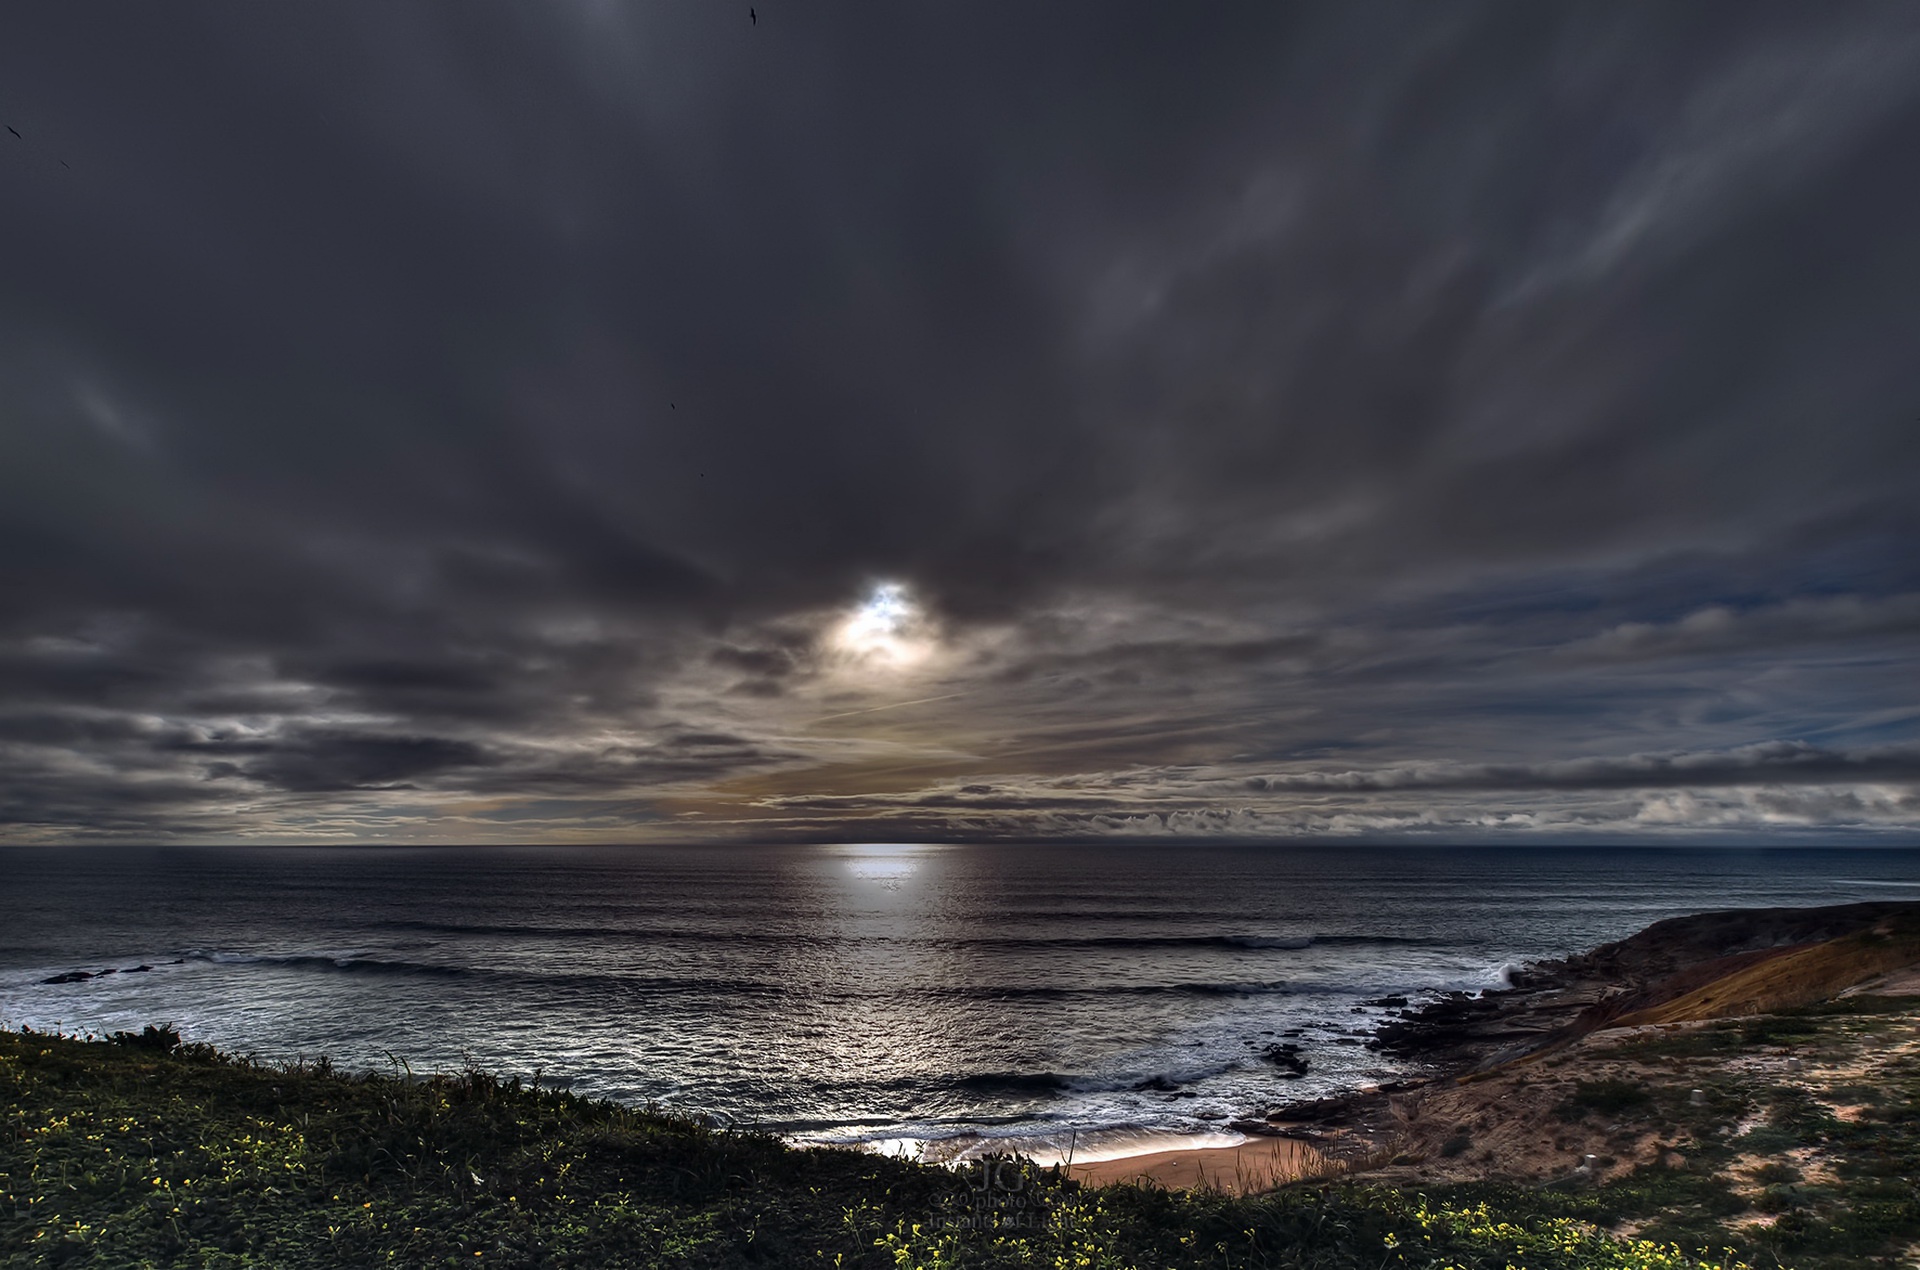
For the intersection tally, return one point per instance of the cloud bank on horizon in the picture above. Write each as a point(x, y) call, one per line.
point(622, 422)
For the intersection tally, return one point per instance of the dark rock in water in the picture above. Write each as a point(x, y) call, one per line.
point(1158, 1084)
point(1449, 1020)
point(1395, 1002)
point(72, 976)
point(140, 969)
point(1286, 1056)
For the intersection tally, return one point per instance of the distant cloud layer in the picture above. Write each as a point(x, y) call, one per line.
point(484, 422)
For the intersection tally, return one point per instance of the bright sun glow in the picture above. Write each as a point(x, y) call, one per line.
point(888, 629)
point(889, 866)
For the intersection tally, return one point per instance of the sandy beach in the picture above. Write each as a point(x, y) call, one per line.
point(1258, 1164)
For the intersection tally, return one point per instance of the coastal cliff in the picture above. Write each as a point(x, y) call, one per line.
point(1676, 975)
point(1708, 965)
point(1751, 1076)
point(1747, 1079)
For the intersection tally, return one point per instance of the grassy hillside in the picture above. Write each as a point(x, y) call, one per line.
point(1792, 1137)
point(144, 1152)
point(1795, 977)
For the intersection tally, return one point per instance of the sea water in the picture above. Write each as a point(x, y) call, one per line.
point(945, 999)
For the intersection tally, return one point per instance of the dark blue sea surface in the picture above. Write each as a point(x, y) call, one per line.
point(847, 993)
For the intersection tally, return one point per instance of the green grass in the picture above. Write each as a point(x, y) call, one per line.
point(1795, 1028)
point(149, 1153)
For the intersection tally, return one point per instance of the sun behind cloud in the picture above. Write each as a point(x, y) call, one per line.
point(889, 631)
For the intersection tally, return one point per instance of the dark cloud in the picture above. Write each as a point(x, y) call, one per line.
point(318, 761)
point(479, 420)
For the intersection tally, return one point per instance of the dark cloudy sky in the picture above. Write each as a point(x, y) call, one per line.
point(590, 420)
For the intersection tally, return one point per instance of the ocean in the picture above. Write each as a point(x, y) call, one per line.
point(934, 999)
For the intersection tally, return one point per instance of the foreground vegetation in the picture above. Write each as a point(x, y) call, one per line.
point(144, 1151)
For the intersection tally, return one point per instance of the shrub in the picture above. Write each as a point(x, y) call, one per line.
point(1608, 1097)
point(160, 1037)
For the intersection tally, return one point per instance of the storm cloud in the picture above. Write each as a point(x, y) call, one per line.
point(472, 422)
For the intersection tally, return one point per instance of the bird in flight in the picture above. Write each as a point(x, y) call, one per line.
point(36, 149)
